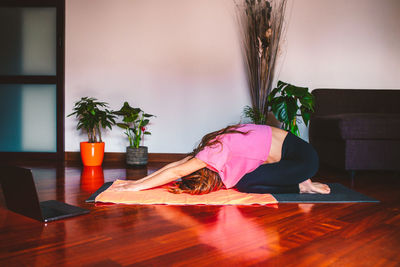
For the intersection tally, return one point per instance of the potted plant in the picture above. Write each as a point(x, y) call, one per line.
point(92, 116)
point(134, 122)
point(287, 102)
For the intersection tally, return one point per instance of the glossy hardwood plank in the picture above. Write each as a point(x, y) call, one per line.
point(351, 234)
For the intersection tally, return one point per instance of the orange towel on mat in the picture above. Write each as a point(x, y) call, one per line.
point(162, 196)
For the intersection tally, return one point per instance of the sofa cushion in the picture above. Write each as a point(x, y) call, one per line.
point(356, 126)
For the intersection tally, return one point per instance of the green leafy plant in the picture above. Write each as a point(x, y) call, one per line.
point(134, 123)
point(287, 101)
point(93, 115)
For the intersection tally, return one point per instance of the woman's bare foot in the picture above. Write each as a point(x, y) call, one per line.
point(308, 187)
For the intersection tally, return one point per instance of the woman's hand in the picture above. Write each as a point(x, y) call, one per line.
point(126, 186)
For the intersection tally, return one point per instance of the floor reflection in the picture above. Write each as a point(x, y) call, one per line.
point(135, 173)
point(12, 224)
point(306, 207)
point(92, 177)
point(228, 230)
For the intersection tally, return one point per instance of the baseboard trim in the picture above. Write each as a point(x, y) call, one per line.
point(119, 157)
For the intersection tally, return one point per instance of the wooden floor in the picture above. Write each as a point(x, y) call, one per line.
point(356, 234)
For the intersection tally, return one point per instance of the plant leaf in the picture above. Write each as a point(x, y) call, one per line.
point(291, 105)
point(279, 108)
point(281, 84)
point(144, 123)
point(273, 93)
point(308, 101)
point(292, 90)
point(305, 114)
point(294, 129)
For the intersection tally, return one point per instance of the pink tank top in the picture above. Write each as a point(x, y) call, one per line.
point(239, 154)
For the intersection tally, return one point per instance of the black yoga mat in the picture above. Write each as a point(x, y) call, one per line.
point(339, 194)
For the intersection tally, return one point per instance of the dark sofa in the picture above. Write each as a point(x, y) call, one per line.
point(357, 129)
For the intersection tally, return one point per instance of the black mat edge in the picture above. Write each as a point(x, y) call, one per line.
point(92, 198)
point(339, 194)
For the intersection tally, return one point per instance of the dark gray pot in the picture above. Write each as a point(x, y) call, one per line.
point(136, 156)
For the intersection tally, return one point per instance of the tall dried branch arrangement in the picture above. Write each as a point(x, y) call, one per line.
point(261, 23)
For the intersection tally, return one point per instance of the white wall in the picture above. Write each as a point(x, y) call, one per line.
point(177, 59)
point(180, 59)
point(343, 44)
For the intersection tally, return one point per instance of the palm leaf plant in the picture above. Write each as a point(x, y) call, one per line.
point(93, 116)
point(134, 122)
point(288, 102)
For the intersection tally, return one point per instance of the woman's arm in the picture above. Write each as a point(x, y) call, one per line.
point(162, 177)
point(170, 165)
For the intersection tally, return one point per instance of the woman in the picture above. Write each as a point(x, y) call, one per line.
point(252, 158)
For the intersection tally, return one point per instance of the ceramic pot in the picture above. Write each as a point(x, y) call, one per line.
point(136, 156)
point(92, 154)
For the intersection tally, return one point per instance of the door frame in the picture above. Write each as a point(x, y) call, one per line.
point(58, 80)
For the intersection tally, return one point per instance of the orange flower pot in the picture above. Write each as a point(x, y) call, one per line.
point(92, 154)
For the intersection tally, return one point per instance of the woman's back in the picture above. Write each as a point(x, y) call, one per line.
point(277, 138)
point(237, 153)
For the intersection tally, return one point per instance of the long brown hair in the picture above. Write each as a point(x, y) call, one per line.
point(204, 181)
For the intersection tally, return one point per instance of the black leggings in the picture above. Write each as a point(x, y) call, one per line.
point(298, 163)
